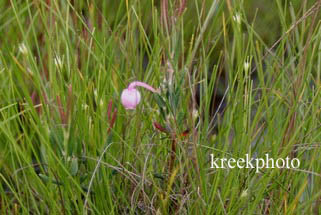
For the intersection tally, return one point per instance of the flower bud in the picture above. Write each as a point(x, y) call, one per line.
point(130, 98)
point(23, 49)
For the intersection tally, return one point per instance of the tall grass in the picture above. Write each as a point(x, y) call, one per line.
point(236, 78)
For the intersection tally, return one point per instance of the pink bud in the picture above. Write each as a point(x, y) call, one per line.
point(130, 97)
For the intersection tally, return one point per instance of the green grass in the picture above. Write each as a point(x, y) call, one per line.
point(68, 146)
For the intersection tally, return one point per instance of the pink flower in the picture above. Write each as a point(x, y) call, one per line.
point(130, 97)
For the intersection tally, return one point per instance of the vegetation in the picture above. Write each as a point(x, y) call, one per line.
point(232, 78)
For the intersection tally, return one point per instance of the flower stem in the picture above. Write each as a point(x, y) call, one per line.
point(142, 84)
